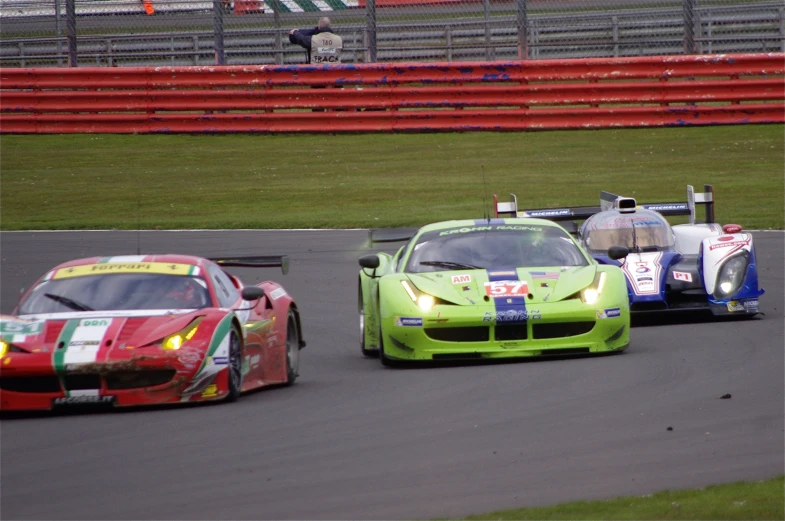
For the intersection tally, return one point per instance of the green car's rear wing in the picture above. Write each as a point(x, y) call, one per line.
point(259, 261)
point(610, 201)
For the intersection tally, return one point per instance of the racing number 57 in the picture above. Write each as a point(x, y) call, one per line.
point(506, 288)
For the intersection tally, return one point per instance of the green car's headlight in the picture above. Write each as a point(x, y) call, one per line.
point(591, 293)
point(731, 275)
point(424, 301)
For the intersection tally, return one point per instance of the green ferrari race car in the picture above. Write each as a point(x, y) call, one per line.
point(490, 288)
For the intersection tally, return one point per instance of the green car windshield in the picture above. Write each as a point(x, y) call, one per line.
point(493, 247)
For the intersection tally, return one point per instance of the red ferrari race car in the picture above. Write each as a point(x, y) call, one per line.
point(147, 329)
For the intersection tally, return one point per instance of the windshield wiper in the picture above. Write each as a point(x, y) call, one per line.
point(451, 265)
point(76, 306)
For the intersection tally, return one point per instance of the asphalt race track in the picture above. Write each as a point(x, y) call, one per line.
point(353, 440)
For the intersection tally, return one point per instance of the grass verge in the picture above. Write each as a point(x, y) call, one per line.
point(759, 500)
point(375, 180)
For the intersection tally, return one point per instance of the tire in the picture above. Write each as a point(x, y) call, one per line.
point(235, 366)
point(292, 349)
point(370, 353)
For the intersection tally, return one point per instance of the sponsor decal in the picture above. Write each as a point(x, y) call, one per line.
point(220, 360)
point(189, 358)
point(502, 273)
point(751, 306)
point(642, 267)
point(735, 305)
point(94, 323)
point(644, 279)
point(728, 244)
point(725, 238)
point(255, 359)
point(608, 313)
point(408, 321)
point(661, 207)
point(466, 288)
point(85, 399)
point(130, 267)
point(506, 288)
point(548, 213)
point(509, 345)
point(512, 315)
point(21, 327)
point(551, 275)
point(83, 343)
point(210, 391)
point(461, 279)
point(500, 227)
point(682, 275)
point(277, 293)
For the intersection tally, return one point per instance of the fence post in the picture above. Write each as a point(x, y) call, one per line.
point(59, 29)
point(782, 29)
point(277, 22)
point(70, 24)
point(615, 22)
point(523, 30)
point(486, 8)
point(218, 32)
point(370, 25)
point(448, 41)
point(689, 26)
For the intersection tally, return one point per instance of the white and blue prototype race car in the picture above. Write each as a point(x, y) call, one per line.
point(684, 267)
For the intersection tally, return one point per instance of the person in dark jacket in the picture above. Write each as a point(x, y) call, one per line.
point(320, 43)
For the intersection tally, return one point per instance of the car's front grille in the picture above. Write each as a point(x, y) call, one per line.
point(80, 382)
point(459, 334)
point(31, 384)
point(560, 329)
point(510, 332)
point(565, 351)
point(138, 379)
point(648, 306)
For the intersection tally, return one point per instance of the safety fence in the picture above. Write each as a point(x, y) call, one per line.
point(520, 95)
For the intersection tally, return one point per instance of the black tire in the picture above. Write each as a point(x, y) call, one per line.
point(292, 349)
point(370, 353)
point(235, 365)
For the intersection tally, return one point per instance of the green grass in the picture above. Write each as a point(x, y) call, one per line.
point(375, 180)
point(761, 500)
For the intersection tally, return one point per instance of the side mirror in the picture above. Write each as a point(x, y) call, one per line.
point(369, 261)
point(618, 252)
point(252, 293)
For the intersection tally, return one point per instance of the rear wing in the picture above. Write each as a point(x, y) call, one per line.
point(259, 261)
point(609, 201)
point(391, 234)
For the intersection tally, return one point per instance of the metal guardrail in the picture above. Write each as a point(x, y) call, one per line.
point(392, 97)
point(643, 32)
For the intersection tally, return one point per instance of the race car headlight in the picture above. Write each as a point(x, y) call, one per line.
point(6, 348)
point(591, 293)
point(175, 341)
point(424, 301)
point(731, 275)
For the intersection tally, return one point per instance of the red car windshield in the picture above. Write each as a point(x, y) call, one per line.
point(119, 291)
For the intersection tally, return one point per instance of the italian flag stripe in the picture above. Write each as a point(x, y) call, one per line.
point(220, 333)
point(335, 4)
point(307, 5)
point(58, 356)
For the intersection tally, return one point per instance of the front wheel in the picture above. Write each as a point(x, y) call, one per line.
point(292, 349)
point(235, 366)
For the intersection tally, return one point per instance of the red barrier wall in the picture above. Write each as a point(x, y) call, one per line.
point(543, 94)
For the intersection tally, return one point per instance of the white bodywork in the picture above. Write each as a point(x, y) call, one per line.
point(716, 250)
point(688, 237)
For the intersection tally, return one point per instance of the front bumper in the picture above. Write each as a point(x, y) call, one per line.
point(27, 385)
point(467, 332)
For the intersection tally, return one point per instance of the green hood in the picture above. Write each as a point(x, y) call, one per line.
point(467, 287)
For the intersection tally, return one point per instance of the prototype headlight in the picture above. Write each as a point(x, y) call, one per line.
point(175, 341)
point(731, 275)
point(591, 293)
point(424, 301)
